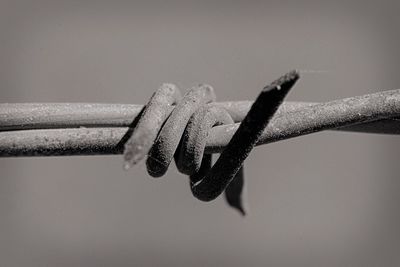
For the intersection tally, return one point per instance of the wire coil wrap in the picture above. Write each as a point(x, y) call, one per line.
point(182, 134)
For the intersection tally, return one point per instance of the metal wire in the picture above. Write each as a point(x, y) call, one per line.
point(55, 129)
point(183, 133)
point(162, 134)
point(189, 129)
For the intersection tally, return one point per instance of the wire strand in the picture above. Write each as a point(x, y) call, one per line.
point(55, 129)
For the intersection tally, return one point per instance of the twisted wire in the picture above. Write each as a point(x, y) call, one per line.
point(67, 129)
point(183, 135)
point(189, 129)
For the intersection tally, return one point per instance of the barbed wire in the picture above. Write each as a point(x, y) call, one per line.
point(68, 129)
point(190, 129)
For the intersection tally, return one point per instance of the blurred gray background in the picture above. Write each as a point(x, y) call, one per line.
point(328, 199)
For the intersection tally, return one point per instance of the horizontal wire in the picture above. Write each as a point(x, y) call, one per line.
point(29, 116)
point(52, 129)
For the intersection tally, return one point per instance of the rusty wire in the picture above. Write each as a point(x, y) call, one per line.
point(189, 129)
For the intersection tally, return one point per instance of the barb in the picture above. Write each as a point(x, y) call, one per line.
point(184, 132)
point(215, 181)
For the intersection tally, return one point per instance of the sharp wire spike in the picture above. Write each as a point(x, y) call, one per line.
point(244, 139)
point(235, 193)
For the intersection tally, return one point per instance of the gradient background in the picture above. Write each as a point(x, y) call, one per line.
point(328, 199)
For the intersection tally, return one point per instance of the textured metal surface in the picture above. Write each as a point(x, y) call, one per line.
point(148, 123)
point(182, 135)
point(191, 120)
point(163, 150)
point(97, 129)
point(24, 116)
point(189, 130)
point(168, 127)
